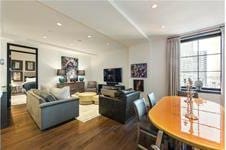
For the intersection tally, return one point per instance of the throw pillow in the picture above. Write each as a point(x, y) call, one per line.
point(61, 93)
point(45, 87)
point(44, 95)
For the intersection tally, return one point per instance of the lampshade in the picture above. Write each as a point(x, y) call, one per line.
point(61, 72)
point(81, 72)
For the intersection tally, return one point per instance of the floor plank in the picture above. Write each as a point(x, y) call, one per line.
point(98, 133)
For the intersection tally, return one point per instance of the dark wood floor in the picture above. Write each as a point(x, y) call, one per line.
point(99, 133)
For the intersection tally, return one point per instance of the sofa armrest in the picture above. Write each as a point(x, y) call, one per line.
point(47, 104)
point(53, 113)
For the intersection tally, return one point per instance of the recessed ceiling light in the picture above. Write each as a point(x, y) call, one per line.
point(44, 37)
point(59, 24)
point(163, 27)
point(90, 36)
point(154, 6)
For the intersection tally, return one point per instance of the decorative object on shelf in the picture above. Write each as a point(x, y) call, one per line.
point(17, 65)
point(61, 73)
point(17, 76)
point(74, 79)
point(189, 101)
point(198, 84)
point(81, 73)
point(139, 70)
point(70, 65)
point(138, 85)
point(29, 65)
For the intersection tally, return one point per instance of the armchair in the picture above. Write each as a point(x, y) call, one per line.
point(91, 86)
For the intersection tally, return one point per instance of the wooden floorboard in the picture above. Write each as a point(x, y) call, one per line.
point(99, 133)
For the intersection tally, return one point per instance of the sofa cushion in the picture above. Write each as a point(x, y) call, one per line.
point(47, 97)
point(61, 93)
point(108, 92)
point(45, 87)
point(122, 93)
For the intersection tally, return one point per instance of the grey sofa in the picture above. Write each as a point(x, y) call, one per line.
point(49, 114)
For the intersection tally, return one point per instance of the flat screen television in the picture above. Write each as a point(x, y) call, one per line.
point(113, 75)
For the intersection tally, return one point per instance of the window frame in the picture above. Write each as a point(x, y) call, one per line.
point(197, 38)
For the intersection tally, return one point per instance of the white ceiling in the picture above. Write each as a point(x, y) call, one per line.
point(101, 16)
point(32, 20)
point(178, 16)
point(120, 23)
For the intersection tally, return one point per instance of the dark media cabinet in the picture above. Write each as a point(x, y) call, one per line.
point(74, 86)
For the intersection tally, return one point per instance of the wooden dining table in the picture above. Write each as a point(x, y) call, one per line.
point(207, 132)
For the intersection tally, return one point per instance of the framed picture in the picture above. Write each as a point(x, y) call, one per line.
point(138, 85)
point(139, 70)
point(17, 76)
point(29, 65)
point(17, 64)
point(70, 64)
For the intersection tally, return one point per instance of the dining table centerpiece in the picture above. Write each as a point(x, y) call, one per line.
point(189, 101)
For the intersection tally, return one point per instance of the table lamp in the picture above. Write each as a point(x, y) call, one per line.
point(81, 73)
point(61, 73)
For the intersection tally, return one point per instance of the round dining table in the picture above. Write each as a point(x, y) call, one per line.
point(207, 132)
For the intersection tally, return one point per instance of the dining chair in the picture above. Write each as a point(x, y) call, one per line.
point(151, 100)
point(143, 125)
point(158, 141)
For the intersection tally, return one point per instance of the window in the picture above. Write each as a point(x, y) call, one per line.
point(200, 59)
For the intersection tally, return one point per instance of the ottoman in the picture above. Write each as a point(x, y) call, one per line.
point(86, 98)
point(96, 99)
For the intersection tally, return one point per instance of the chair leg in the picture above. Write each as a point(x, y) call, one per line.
point(138, 135)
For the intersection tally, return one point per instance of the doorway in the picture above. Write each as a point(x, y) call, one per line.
point(22, 72)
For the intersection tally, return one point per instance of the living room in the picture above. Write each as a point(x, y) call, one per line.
point(98, 36)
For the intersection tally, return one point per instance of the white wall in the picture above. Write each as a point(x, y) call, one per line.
point(153, 53)
point(49, 59)
point(110, 59)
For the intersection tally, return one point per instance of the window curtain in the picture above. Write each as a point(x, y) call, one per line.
point(173, 64)
point(222, 29)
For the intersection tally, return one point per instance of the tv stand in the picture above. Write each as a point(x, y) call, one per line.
point(112, 83)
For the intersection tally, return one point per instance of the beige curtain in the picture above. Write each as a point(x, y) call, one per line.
point(173, 64)
point(222, 29)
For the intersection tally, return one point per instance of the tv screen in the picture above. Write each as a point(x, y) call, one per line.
point(113, 75)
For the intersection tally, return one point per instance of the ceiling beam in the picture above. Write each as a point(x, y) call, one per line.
point(114, 5)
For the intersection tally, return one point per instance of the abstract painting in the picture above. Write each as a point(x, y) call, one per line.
point(138, 85)
point(70, 65)
point(139, 70)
